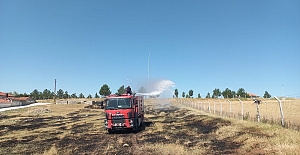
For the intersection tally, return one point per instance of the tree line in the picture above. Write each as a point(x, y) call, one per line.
point(227, 93)
point(61, 94)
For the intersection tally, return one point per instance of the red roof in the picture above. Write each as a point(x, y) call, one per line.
point(4, 101)
point(4, 94)
point(252, 95)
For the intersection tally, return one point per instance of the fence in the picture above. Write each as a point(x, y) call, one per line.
point(267, 111)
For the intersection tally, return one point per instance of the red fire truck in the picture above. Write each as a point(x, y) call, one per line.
point(124, 111)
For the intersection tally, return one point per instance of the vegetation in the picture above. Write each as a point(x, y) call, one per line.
point(208, 95)
point(104, 90)
point(176, 93)
point(121, 90)
point(267, 95)
point(199, 96)
point(191, 93)
point(174, 129)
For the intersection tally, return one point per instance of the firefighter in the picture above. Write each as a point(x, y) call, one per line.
point(128, 90)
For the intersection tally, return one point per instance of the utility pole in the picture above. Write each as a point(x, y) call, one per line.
point(54, 94)
point(148, 70)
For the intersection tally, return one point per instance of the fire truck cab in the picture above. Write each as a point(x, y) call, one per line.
point(124, 112)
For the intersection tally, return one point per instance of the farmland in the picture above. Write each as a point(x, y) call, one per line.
point(170, 128)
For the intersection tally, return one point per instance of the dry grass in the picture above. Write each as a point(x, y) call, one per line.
point(170, 129)
point(269, 109)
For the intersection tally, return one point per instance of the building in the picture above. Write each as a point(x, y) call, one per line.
point(253, 95)
point(8, 100)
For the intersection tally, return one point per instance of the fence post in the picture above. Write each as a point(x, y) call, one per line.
point(257, 108)
point(281, 112)
point(242, 108)
point(230, 108)
point(209, 107)
point(220, 107)
point(214, 107)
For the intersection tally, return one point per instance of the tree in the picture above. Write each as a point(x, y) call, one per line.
point(199, 96)
point(183, 94)
point(121, 90)
point(89, 96)
point(187, 96)
point(216, 93)
point(96, 95)
point(104, 90)
point(35, 94)
point(66, 95)
point(176, 93)
point(142, 90)
point(267, 95)
point(227, 93)
point(242, 93)
point(60, 94)
point(81, 95)
point(191, 93)
point(208, 95)
point(46, 94)
point(74, 95)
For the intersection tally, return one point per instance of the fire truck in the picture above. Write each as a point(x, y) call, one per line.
point(124, 111)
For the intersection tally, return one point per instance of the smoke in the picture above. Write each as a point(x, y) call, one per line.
point(158, 87)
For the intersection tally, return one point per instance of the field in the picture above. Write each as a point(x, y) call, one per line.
point(170, 128)
point(269, 109)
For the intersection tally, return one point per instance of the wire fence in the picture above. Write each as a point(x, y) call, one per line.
point(267, 111)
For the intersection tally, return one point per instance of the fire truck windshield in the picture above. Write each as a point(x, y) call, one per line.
point(118, 103)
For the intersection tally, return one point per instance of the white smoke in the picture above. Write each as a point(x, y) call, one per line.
point(159, 87)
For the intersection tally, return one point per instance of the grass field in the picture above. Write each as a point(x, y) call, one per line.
point(269, 109)
point(170, 128)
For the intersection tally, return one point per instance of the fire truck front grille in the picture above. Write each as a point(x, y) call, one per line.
point(118, 119)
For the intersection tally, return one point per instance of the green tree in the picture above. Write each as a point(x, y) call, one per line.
point(191, 93)
point(227, 93)
point(96, 95)
point(81, 95)
point(187, 96)
point(142, 90)
point(121, 90)
point(267, 95)
point(216, 93)
point(74, 95)
point(242, 93)
point(60, 94)
point(104, 90)
point(183, 94)
point(34, 94)
point(176, 93)
point(89, 96)
point(66, 95)
point(208, 95)
point(46, 94)
point(199, 96)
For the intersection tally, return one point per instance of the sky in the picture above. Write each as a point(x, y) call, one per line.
point(199, 45)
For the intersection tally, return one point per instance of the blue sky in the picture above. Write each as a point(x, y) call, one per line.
point(199, 45)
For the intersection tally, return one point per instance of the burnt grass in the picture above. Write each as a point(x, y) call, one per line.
point(82, 132)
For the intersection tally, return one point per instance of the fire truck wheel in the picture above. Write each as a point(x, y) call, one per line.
point(110, 131)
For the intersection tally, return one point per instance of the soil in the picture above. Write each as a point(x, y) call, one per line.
point(71, 134)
